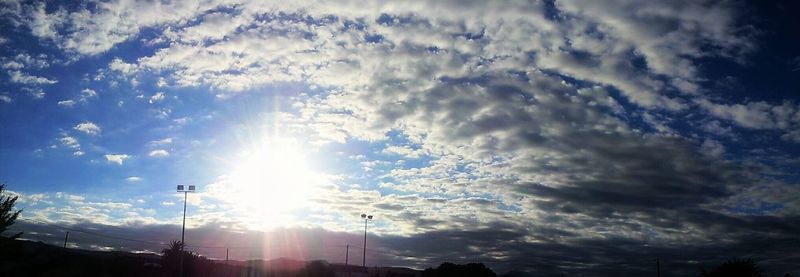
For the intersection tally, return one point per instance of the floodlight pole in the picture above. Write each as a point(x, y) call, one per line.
point(183, 226)
point(366, 219)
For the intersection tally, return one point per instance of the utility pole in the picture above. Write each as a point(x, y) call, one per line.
point(226, 255)
point(65, 239)
point(346, 255)
point(658, 266)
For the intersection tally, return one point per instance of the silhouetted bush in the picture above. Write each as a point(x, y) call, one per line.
point(735, 268)
point(317, 269)
point(457, 270)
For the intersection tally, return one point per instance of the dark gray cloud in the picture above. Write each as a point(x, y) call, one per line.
point(500, 246)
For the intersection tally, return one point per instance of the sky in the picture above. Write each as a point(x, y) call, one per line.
point(550, 137)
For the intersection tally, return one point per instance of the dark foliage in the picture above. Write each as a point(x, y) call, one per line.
point(193, 264)
point(735, 268)
point(317, 269)
point(7, 214)
point(25, 258)
point(457, 270)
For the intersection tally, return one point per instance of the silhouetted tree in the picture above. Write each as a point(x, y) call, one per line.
point(735, 268)
point(171, 257)
point(457, 270)
point(173, 250)
point(7, 215)
point(193, 264)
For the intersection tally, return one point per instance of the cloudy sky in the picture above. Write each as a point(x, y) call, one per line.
point(545, 136)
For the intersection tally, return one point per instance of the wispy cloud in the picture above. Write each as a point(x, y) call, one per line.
point(67, 103)
point(158, 153)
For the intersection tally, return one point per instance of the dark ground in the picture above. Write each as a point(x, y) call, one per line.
point(27, 258)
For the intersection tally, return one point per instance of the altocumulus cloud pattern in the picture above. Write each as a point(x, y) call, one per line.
point(555, 137)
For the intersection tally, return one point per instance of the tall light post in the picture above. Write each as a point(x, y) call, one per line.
point(186, 192)
point(366, 218)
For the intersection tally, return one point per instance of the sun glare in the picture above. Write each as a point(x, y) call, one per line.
point(272, 178)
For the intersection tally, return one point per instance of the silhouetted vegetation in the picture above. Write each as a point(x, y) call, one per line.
point(193, 264)
point(457, 270)
point(317, 269)
point(26, 258)
point(7, 213)
point(735, 268)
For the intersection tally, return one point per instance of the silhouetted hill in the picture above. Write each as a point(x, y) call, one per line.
point(458, 270)
point(28, 258)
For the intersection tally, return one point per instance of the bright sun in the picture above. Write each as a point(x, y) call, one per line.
point(272, 178)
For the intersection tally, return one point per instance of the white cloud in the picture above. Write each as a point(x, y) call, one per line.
point(36, 93)
point(86, 94)
point(157, 97)
point(757, 115)
point(163, 141)
point(70, 142)
point(182, 121)
point(13, 65)
point(24, 60)
point(116, 158)
point(23, 78)
point(214, 26)
point(67, 103)
point(44, 24)
point(133, 179)
point(404, 151)
point(5, 98)
point(122, 67)
point(793, 136)
point(159, 153)
point(91, 32)
point(88, 128)
point(712, 148)
point(752, 115)
point(78, 153)
point(717, 128)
